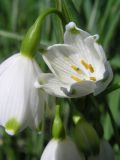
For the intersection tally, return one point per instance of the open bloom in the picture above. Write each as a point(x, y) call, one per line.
point(21, 104)
point(106, 152)
point(58, 149)
point(79, 65)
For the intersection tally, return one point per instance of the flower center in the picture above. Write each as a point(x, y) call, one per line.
point(87, 66)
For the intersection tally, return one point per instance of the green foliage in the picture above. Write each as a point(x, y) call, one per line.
point(96, 16)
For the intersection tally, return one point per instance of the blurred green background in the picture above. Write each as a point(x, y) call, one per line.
point(95, 16)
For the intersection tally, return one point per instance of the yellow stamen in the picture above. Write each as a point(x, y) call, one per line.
point(76, 69)
point(87, 66)
point(92, 78)
point(90, 67)
point(76, 79)
point(84, 64)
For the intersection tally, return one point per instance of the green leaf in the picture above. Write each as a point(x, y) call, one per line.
point(106, 14)
point(70, 12)
point(57, 25)
point(93, 16)
point(87, 5)
point(78, 4)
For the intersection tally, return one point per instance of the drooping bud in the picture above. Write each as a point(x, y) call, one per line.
point(86, 137)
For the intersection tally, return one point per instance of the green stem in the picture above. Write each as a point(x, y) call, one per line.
point(117, 136)
point(94, 102)
point(58, 29)
point(111, 89)
point(32, 38)
point(70, 102)
point(58, 130)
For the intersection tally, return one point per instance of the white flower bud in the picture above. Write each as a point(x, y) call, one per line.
point(61, 149)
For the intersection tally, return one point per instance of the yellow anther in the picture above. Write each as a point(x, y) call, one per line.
point(87, 66)
point(90, 67)
point(84, 64)
point(92, 78)
point(76, 69)
point(76, 79)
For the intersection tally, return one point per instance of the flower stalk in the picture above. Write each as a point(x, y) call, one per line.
point(58, 130)
point(32, 37)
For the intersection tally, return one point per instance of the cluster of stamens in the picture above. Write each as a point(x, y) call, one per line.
point(87, 66)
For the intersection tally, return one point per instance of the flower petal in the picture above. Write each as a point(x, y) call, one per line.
point(108, 76)
point(76, 38)
point(57, 88)
point(13, 98)
point(96, 50)
point(51, 85)
point(73, 35)
point(64, 61)
point(36, 98)
point(61, 149)
point(39, 115)
point(80, 89)
point(8, 63)
point(87, 48)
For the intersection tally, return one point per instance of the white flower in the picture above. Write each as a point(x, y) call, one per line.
point(21, 104)
point(79, 65)
point(106, 152)
point(61, 150)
